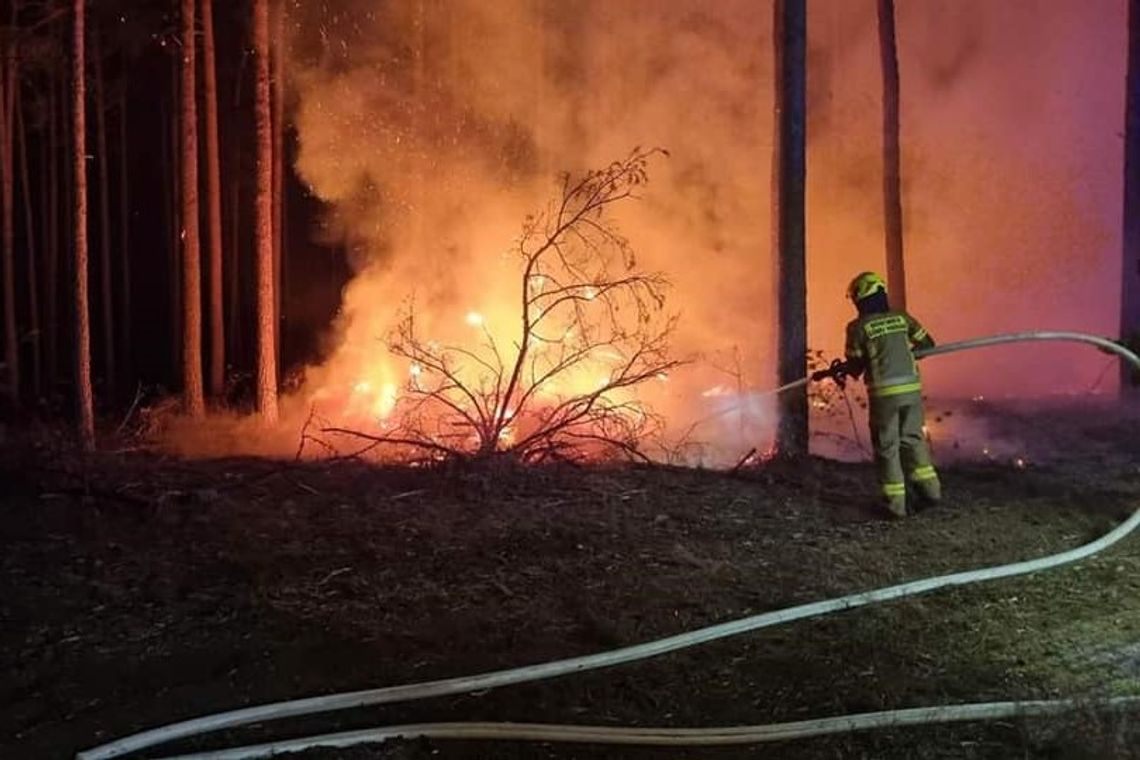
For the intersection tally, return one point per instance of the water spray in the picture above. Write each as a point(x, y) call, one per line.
point(752, 396)
point(655, 736)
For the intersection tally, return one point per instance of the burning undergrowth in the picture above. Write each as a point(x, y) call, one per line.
point(589, 331)
point(430, 131)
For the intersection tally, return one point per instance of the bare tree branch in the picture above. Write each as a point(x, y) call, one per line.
point(591, 328)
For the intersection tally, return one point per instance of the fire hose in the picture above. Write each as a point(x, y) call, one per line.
point(650, 735)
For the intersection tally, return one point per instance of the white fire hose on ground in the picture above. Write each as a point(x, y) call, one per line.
point(651, 736)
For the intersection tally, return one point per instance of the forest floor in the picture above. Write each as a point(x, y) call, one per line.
point(137, 589)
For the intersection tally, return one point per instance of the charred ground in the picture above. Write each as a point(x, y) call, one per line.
point(137, 589)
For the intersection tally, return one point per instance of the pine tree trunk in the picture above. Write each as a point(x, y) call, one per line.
point(126, 352)
point(1130, 293)
point(791, 117)
point(235, 336)
point(31, 271)
point(263, 228)
point(44, 167)
point(192, 394)
point(79, 156)
point(892, 178)
point(213, 207)
point(107, 304)
point(67, 229)
point(7, 186)
point(51, 250)
point(173, 164)
point(279, 263)
point(235, 346)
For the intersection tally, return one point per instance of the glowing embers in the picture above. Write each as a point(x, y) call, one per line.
point(559, 373)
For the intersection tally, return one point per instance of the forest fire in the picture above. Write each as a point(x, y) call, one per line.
point(556, 380)
point(454, 155)
point(458, 146)
point(421, 137)
point(361, 352)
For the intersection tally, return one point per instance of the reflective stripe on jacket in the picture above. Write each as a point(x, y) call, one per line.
point(884, 342)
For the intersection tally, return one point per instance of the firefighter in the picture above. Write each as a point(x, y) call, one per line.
point(880, 345)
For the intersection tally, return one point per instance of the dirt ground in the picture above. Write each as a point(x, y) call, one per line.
point(138, 589)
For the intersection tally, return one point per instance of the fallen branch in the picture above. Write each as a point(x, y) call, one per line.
point(743, 460)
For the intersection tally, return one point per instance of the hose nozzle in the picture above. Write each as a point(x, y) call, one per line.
point(837, 371)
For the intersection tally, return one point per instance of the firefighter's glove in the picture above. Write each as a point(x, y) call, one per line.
point(837, 371)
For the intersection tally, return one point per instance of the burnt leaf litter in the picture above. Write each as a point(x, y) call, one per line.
point(137, 589)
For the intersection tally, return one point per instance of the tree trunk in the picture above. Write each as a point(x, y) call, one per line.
point(892, 179)
point(173, 173)
point(30, 247)
point(8, 86)
point(67, 228)
point(279, 263)
point(263, 228)
point(235, 346)
point(51, 250)
point(192, 394)
point(1130, 294)
point(126, 352)
point(79, 156)
point(213, 207)
point(791, 117)
point(46, 158)
point(107, 303)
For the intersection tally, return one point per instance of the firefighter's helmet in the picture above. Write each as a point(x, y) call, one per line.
point(866, 284)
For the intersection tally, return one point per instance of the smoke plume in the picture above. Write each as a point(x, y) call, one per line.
point(431, 128)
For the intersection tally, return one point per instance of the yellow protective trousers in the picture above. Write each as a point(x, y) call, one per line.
point(901, 453)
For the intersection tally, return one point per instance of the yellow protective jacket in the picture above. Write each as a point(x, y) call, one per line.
point(882, 345)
